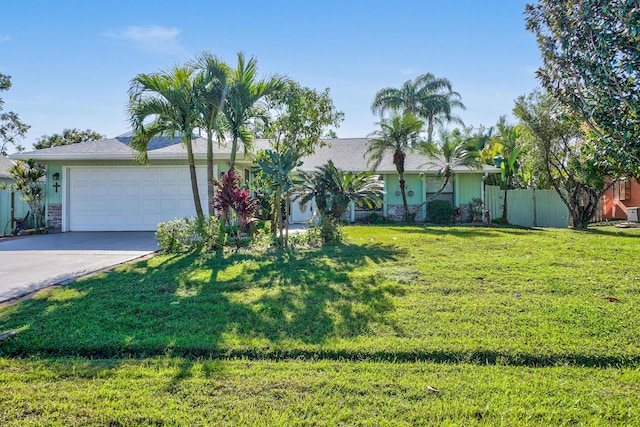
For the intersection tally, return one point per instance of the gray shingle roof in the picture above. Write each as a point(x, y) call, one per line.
point(118, 149)
point(348, 154)
point(5, 164)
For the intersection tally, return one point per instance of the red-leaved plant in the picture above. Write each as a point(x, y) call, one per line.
point(231, 199)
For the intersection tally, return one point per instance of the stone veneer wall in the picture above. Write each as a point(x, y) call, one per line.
point(54, 217)
point(396, 212)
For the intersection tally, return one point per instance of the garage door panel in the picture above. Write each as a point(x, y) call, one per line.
point(151, 189)
point(133, 175)
point(130, 198)
point(169, 190)
point(99, 175)
point(116, 190)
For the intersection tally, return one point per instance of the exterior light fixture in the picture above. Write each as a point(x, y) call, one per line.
point(56, 176)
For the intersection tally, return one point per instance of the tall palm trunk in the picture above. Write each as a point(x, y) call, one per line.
point(398, 159)
point(211, 193)
point(430, 130)
point(194, 178)
point(234, 149)
point(447, 177)
point(505, 217)
point(405, 204)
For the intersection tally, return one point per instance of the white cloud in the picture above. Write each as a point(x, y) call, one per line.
point(408, 71)
point(5, 38)
point(153, 38)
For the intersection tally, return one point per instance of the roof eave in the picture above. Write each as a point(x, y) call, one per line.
point(114, 157)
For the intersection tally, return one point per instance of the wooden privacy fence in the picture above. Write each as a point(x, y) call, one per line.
point(20, 210)
point(528, 208)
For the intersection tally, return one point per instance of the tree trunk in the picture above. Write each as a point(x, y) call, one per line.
point(194, 179)
point(405, 205)
point(210, 186)
point(583, 200)
point(286, 219)
point(278, 206)
point(505, 217)
point(234, 149)
point(430, 130)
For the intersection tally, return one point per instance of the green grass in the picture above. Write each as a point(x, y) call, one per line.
point(241, 392)
point(531, 327)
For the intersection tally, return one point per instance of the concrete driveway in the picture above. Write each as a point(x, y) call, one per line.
point(29, 263)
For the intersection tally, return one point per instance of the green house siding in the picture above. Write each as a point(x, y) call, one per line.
point(413, 183)
point(53, 196)
point(467, 187)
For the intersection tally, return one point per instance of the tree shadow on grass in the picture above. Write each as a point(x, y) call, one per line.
point(276, 305)
point(464, 230)
point(621, 233)
point(206, 305)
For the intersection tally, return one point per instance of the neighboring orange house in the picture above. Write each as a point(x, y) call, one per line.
point(623, 194)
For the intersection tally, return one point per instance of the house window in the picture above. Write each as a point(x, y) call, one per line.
point(622, 189)
point(434, 184)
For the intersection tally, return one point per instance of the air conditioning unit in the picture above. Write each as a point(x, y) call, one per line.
point(633, 215)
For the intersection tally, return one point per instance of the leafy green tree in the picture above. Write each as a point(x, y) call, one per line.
point(300, 116)
point(428, 97)
point(333, 190)
point(212, 87)
point(68, 137)
point(452, 152)
point(397, 136)
point(28, 179)
point(559, 154)
point(170, 100)
point(245, 95)
point(11, 127)
point(591, 64)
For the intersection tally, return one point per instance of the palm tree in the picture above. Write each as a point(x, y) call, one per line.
point(428, 97)
point(397, 135)
point(333, 190)
point(212, 84)
point(451, 153)
point(169, 98)
point(506, 146)
point(278, 167)
point(243, 96)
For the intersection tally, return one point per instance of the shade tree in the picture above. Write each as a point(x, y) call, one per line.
point(12, 129)
point(67, 137)
point(559, 152)
point(591, 64)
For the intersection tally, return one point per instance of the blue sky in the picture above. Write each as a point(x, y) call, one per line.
point(71, 61)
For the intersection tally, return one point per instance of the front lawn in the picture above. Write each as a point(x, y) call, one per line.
point(511, 326)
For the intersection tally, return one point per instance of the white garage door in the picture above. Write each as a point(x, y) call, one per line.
point(131, 198)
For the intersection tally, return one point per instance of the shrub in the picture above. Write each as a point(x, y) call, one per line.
point(476, 210)
point(440, 211)
point(330, 230)
point(188, 234)
point(310, 238)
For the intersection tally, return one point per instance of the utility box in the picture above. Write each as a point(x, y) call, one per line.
point(633, 215)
